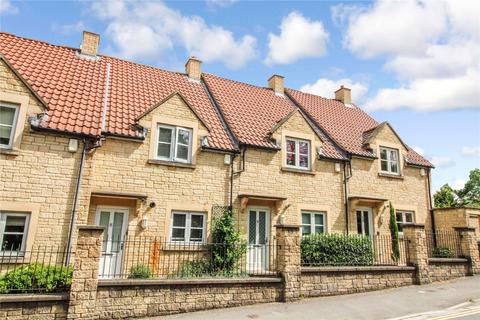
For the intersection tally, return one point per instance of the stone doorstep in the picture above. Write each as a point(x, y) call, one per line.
point(20, 298)
point(168, 282)
point(356, 269)
point(447, 260)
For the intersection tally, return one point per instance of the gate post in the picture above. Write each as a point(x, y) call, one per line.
point(86, 259)
point(470, 248)
point(288, 255)
point(417, 250)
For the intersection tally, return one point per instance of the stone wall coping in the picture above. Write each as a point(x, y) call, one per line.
point(288, 226)
point(21, 297)
point(175, 282)
point(357, 269)
point(92, 228)
point(447, 260)
point(413, 225)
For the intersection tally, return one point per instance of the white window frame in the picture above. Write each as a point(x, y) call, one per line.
point(390, 161)
point(13, 126)
point(297, 153)
point(312, 223)
point(3, 221)
point(188, 227)
point(404, 220)
point(174, 143)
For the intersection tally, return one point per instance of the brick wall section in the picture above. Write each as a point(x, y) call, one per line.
point(83, 291)
point(156, 300)
point(327, 281)
point(288, 260)
point(37, 306)
point(446, 269)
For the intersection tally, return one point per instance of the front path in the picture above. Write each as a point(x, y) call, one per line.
point(384, 304)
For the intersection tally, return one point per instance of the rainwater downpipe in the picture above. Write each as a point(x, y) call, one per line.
point(75, 203)
point(432, 212)
point(345, 182)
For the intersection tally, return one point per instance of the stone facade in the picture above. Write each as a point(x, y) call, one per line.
point(417, 251)
point(450, 218)
point(445, 269)
point(45, 307)
point(327, 281)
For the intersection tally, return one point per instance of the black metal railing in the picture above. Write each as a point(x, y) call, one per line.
point(443, 244)
point(353, 250)
point(39, 270)
point(147, 257)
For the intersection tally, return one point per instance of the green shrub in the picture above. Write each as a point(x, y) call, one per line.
point(442, 252)
point(228, 247)
point(336, 249)
point(140, 271)
point(394, 234)
point(36, 277)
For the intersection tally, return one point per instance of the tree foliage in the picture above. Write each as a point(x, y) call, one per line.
point(394, 232)
point(468, 196)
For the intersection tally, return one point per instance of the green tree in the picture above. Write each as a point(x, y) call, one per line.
point(394, 232)
point(469, 196)
point(445, 197)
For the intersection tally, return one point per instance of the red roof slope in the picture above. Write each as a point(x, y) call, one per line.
point(73, 89)
point(346, 125)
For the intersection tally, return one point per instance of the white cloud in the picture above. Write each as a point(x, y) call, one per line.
point(458, 184)
point(219, 3)
point(431, 46)
point(471, 151)
point(299, 38)
point(70, 28)
point(149, 30)
point(326, 88)
point(6, 6)
point(440, 161)
point(419, 150)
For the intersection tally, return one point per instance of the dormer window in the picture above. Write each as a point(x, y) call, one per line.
point(8, 119)
point(174, 143)
point(389, 161)
point(297, 154)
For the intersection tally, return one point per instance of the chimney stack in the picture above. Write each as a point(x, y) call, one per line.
point(193, 68)
point(344, 95)
point(276, 83)
point(90, 43)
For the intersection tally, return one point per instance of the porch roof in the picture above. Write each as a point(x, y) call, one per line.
point(123, 195)
point(367, 199)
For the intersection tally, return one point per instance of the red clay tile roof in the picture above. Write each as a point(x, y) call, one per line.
point(73, 89)
point(252, 112)
point(346, 125)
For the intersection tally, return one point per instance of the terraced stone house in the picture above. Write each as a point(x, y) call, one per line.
point(91, 139)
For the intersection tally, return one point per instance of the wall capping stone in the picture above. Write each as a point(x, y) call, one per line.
point(464, 229)
point(196, 282)
point(20, 298)
point(356, 269)
point(447, 260)
point(90, 227)
point(413, 225)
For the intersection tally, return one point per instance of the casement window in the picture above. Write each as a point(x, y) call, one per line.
point(404, 217)
point(297, 154)
point(174, 143)
point(13, 231)
point(8, 120)
point(188, 227)
point(389, 161)
point(313, 222)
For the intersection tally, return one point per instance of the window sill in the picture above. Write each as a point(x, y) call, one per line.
point(310, 172)
point(172, 164)
point(390, 175)
point(10, 152)
point(181, 246)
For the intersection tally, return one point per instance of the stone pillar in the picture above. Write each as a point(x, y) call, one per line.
point(469, 248)
point(288, 260)
point(86, 259)
point(417, 251)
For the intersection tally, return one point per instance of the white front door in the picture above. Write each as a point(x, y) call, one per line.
point(115, 222)
point(364, 221)
point(258, 235)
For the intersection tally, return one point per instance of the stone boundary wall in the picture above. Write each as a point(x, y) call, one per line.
point(328, 281)
point(33, 306)
point(441, 269)
point(137, 298)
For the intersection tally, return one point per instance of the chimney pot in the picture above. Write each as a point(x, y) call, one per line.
point(90, 43)
point(344, 95)
point(276, 83)
point(193, 68)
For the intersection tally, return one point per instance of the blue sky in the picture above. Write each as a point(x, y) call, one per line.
point(413, 63)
